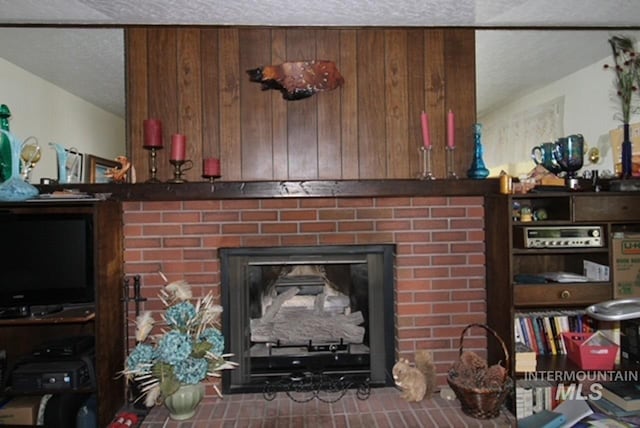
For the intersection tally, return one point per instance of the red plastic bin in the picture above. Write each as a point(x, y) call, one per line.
point(591, 351)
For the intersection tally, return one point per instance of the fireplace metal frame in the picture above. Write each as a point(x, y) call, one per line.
point(380, 267)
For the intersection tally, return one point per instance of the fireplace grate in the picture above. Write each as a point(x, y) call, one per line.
point(312, 347)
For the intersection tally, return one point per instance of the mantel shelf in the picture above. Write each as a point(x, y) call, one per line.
point(284, 189)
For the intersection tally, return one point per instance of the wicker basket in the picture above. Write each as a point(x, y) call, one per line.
point(482, 403)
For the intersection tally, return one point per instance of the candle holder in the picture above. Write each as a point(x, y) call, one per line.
point(179, 168)
point(426, 173)
point(153, 164)
point(450, 162)
point(211, 179)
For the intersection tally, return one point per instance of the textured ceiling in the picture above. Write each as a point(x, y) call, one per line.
point(90, 63)
point(327, 12)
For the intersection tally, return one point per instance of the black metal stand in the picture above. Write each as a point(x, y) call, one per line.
point(302, 387)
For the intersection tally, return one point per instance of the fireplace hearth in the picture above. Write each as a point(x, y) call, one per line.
point(308, 312)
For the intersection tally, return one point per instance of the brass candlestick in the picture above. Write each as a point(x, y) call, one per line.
point(153, 164)
point(179, 168)
point(426, 173)
point(211, 178)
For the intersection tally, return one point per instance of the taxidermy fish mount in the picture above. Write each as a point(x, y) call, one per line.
point(298, 80)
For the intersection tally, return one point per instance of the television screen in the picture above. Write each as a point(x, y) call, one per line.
point(47, 259)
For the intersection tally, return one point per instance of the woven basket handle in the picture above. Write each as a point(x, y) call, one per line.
point(493, 332)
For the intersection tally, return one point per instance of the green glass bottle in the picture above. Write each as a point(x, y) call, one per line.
point(5, 147)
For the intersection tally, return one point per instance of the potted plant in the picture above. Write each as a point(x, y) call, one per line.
point(170, 366)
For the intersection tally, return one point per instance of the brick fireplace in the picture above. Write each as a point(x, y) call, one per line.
point(439, 263)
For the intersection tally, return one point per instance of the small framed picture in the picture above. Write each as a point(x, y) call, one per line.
point(96, 168)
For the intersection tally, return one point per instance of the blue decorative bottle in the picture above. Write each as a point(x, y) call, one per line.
point(5, 147)
point(478, 170)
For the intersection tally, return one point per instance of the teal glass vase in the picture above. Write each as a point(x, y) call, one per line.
point(477, 170)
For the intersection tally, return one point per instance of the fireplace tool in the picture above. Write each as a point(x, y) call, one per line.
point(133, 391)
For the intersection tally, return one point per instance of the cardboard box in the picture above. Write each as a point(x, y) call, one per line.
point(626, 267)
point(21, 410)
point(591, 351)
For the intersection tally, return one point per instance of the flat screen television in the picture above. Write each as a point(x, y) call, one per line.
point(46, 261)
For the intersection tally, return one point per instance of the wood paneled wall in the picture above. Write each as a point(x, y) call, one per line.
point(194, 80)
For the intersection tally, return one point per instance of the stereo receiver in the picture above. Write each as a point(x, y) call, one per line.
point(562, 236)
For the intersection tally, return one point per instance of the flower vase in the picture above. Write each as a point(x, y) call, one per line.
point(627, 164)
point(183, 403)
point(477, 170)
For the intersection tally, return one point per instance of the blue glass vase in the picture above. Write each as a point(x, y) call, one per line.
point(477, 170)
point(627, 164)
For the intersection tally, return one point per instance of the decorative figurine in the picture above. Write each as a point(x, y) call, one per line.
point(298, 80)
point(119, 174)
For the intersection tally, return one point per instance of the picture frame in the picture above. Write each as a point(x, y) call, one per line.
point(96, 168)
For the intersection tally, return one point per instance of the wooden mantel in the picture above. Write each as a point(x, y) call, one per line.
point(284, 189)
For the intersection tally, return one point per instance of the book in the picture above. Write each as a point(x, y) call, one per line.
point(543, 335)
point(625, 395)
point(524, 399)
point(525, 358)
point(573, 411)
point(517, 330)
point(532, 335)
point(549, 333)
point(606, 407)
point(542, 419)
point(537, 331)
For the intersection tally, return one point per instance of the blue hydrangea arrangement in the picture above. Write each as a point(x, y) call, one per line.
point(188, 351)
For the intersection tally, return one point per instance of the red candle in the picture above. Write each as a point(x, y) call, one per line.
point(178, 147)
point(451, 140)
point(211, 167)
point(152, 133)
point(425, 130)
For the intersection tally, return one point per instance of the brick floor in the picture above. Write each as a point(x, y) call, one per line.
point(383, 409)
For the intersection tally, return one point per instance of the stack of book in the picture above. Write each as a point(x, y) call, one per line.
point(619, 399)
point(525, 358)
point(534, 396)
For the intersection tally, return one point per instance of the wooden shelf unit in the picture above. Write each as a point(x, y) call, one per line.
point(104, 319)
point(507, 256)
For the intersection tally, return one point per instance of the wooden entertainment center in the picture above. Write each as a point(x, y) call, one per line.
point(103, 319)
point(517, 258)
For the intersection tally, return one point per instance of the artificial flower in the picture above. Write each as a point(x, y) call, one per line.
point(188, 351)
point(626, 65)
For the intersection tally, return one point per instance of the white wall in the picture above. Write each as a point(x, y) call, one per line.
point(45, 111)
point(587, 108)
